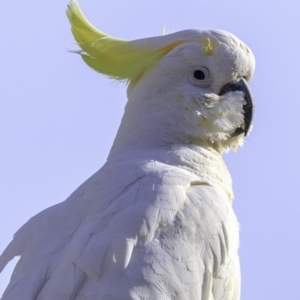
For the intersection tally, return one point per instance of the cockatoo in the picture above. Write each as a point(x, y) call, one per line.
point(156, 221)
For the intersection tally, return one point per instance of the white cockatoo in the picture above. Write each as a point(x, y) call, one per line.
point(156, 221)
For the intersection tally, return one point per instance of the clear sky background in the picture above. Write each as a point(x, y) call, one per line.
point(58, 119)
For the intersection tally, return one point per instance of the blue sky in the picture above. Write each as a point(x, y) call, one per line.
point(58, 119)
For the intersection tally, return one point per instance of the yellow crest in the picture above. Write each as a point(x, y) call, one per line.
point(119, 59)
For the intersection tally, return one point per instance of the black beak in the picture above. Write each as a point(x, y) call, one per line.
point(242, 86)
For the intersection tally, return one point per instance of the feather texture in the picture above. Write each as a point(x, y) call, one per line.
point(172, 247)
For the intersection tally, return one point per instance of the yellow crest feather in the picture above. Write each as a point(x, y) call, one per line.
point(119, 59)
point(208, 47)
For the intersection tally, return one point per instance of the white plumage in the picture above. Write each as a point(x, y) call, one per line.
point(156, 221)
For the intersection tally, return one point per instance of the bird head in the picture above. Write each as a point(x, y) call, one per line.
point(186, 87)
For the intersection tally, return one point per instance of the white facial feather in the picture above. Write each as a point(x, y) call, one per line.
point(168, 106)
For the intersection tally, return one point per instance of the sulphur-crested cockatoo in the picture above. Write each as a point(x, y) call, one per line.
point(156, 221)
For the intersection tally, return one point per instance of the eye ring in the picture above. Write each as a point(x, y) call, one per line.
point(200, 76)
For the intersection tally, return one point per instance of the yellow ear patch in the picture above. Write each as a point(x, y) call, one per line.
point(208, 46)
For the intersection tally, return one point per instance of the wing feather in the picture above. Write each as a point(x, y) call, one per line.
point(161, 232)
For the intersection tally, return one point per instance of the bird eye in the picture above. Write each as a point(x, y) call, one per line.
point(200, 76)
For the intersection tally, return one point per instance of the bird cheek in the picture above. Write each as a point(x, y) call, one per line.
point(210, 100)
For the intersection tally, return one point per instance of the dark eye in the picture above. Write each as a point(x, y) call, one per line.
point(200, 76)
